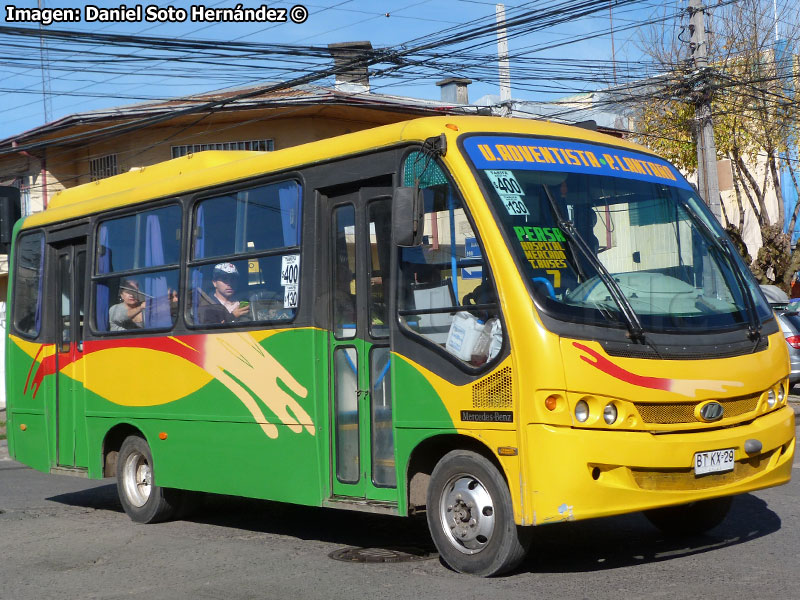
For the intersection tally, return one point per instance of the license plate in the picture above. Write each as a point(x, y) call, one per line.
point(715, 461)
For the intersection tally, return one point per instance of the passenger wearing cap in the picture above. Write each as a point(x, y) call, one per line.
point(128, 314)
point(221, 307)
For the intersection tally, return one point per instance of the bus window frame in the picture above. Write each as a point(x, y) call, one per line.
point(11, 323)
point(417, 340)
point(608, 335)
point(93, 278)
point(188, 264)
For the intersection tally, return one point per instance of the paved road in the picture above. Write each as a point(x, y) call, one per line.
point(63, 537)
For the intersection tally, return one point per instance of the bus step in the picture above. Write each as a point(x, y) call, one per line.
point(362, 505)
point(73, 471)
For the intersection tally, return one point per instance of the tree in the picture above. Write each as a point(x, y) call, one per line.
point(755, 111)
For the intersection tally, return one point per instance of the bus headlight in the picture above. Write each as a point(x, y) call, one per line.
point(781, 394)
point(771, 398)
point(582, 411)
point(610, 413)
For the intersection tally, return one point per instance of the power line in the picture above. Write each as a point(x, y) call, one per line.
point(452, 50)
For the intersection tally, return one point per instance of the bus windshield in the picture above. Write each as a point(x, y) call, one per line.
point(613, 237)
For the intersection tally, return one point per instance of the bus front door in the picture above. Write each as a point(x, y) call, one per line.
point(70, 431)
point(362, 442)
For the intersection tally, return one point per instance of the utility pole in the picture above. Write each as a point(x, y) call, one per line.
point(775, 13)
point(502, 59)
point(707, 180)
point(613, 52)
point(45, 68)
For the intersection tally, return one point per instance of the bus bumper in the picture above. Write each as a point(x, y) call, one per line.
point(582, 473)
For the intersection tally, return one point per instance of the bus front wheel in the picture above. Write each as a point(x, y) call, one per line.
point(471, 517)
point(142, 501)
point(690, 519)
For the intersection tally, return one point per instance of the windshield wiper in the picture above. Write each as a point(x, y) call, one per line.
point(754, 328)
point(724, 245)
point(635, 330)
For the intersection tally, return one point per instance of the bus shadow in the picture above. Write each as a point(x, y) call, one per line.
point(613, 542)
point(100, 497)
point(582, 546)
point(340, 527)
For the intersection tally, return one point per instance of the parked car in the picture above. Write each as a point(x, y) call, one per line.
point(788, 315)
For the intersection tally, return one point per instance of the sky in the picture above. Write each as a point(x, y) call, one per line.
point(76, 86)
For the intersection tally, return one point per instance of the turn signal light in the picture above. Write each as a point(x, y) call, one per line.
point(452, 126)
point(162, 435)
point(551, 403)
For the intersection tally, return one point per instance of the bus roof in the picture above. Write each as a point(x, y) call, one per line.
point(214, 167)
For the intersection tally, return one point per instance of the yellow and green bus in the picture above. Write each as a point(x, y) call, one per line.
point(501, 323)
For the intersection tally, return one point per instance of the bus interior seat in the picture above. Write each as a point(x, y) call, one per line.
point(266, 305)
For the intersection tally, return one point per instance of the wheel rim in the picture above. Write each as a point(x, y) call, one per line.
point(467, 514)
point(137, 479)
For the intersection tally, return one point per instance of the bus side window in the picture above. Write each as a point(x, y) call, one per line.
point(245, 261)
point(136, 267)
point(445, 293)
point(29, 258)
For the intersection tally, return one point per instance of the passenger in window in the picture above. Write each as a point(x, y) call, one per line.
point(220, 307)
point(129, 313)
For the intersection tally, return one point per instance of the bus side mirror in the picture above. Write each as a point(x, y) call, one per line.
point(9, 214)
point(407, 216)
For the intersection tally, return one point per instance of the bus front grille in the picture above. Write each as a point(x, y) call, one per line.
point(683, 412)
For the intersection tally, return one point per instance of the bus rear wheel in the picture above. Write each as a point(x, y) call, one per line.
point(690, 519)
point(141, 499)
point(471, 517)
